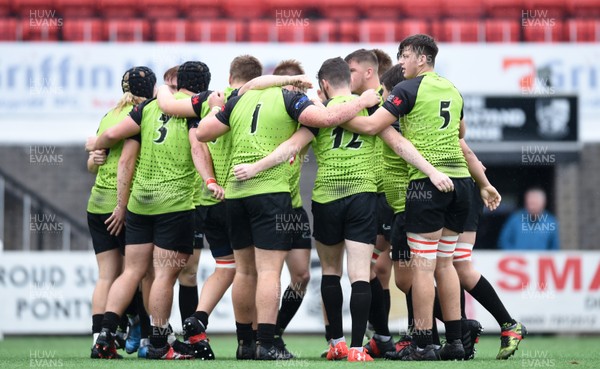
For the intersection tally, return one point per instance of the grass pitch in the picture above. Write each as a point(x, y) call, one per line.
point(73, 352)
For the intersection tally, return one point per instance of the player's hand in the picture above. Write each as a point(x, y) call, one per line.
point(441, 181)
point(482, 166)
point(116, 221)
point(301, 81)
point(322, 97)
point(98, 157)
point(369, 98)
point(217, 191)
point(90, 143)
point(244, 171)
point(491, 197)
point(216, 98)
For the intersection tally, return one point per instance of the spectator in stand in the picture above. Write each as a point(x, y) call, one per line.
point(531, 228)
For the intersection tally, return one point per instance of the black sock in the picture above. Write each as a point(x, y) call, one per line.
point(377, 312)
point(388, 302)
point(435, 336)
point(158, 336)
point(333, 298)
point(411, 314)
point(485, 294)
point(290, 303)
point(437, 307)
point(453, 330)
point(202, 316)
point(97, 323)
point(265, 334)
point(188, 301)
point(244, 332)
point(360, 303)
point(463, 314)
point(111, 321)
point(144, 319)
point(422, 337)
point(327, 333)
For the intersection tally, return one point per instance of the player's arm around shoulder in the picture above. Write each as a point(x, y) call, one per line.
point(216, 122)
point(282, 154)
point(169, 105)
point(319, 117)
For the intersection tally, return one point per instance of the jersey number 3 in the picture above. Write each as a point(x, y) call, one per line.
point(445, 113)
point(163, 128)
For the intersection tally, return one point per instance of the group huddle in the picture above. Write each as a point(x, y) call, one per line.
point(396, 187)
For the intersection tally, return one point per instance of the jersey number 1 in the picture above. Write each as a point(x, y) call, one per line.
point(255, 118)
point(338, 136)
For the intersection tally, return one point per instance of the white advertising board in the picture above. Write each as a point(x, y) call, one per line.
point(71, 85)
point(50, 293)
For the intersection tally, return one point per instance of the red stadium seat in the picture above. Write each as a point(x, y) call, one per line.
point(215, 31)
point(282, 8)
point(118, 8)
point(201, 9)
point(37, 29)
point(125, 30)
point(160, 8)
point(459, 31)
point(377, 31)
point(551, 30)
point(262, 31)
point(583, 30)
point(505, 8)
point(584, 8)
point(292, 32)
point(383, 9)
point(347, 31)
point(33, 8)
point(321, 31)
point(76, 8)
point(339, 9)
point(463, 9)
point(546, 8)
point(170, 30)
point(424, 9)
point(244, 9)
point(499, 30)
point(407, 27)
point(81, 29)
point(10, 30)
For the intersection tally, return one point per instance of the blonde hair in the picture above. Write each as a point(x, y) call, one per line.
point(128, 99)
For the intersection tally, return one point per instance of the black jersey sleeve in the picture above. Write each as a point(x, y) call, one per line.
point(223, 115)
point(137, 138)
point(137, 112)
point(403, 96)
point(198, 100)
point(295, 103)
point(192, 123)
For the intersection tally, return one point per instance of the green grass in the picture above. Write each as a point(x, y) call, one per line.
point(73, 352)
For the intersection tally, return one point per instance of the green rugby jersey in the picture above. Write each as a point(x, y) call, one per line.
point(220, 152)
point(261, 120)
point(378, 164)
point(103, 196)
point(164, 176)
point(345, 161)
point(430, 108)
point(395, 177)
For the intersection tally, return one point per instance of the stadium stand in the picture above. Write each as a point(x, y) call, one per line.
point(299, 21)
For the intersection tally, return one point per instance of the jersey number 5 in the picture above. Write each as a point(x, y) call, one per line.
point(338, 136)
point(163, 128)
point(445, 113)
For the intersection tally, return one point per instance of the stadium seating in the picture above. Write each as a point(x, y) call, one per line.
point(118, 8)
point(126, 30)
point(377, 31)
point(383, 9)
point(584, 8)
point(10, 30)
point(40, 29)
point(424, 9)
point(339, 9)
point(321, 31)
point(409, 27)
point(507, 9)
point(170, 30)
point(348, 31)
point(262, 31)
point(244, 9)
point(215, 31)
point(201, 9)
point(459, 31)
point(463, 9)
point(583, 30)
point(160, 8)
point(76, 8)
point(82, 29)
point(550, 31)
point(547, 8)
point(291, 33)
point(28, 8)
point(499, 30)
